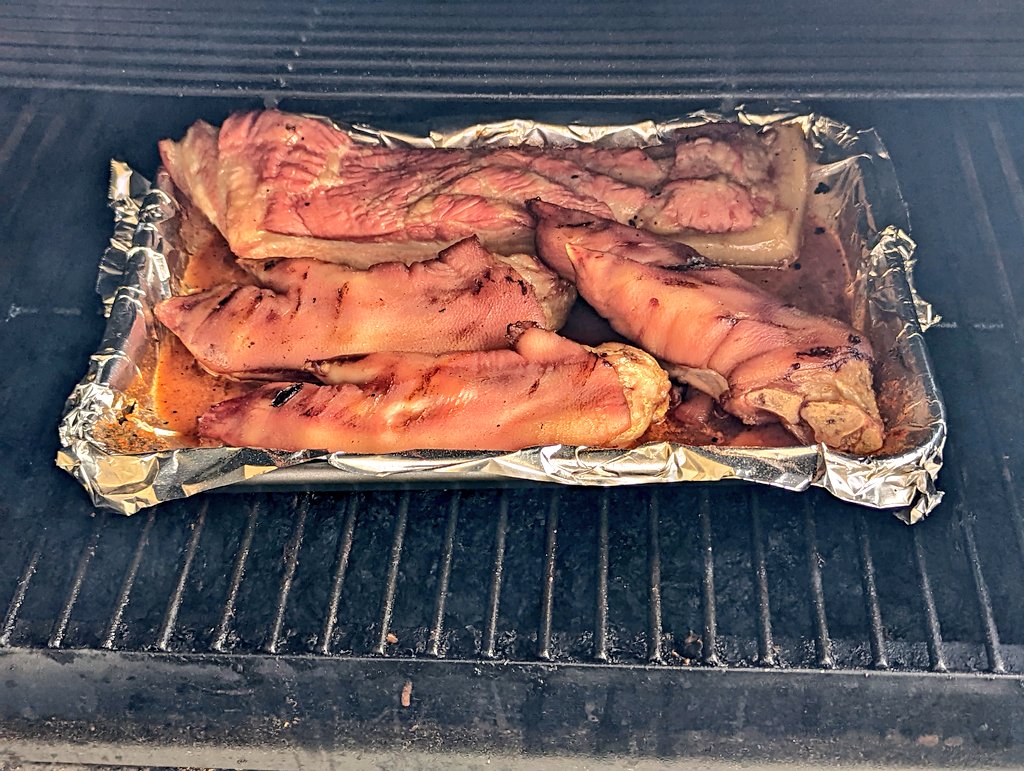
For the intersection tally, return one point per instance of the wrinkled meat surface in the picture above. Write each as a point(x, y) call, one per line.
point(308, 310)
point(547, 390)
point(761, 359)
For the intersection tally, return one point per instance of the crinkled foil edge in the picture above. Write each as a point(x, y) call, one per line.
point(134, 276)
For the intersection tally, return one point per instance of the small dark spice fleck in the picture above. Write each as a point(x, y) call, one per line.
point(285, 394)
point(796, 266)
point(819, 230)
point(821, 188)
point(854, 339)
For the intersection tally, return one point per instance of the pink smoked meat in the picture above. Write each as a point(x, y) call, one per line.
point(761, 359)
point(548, 390)
point(308, 310)
point(283, 185)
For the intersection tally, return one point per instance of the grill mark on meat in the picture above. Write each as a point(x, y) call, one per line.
point(315, 409)
point(285, 394)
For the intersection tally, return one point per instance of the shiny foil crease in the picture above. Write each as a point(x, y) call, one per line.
point(854, 186)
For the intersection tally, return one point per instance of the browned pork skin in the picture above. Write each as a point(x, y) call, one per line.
point(548, 390)
point(762, 360)
point(307, 310)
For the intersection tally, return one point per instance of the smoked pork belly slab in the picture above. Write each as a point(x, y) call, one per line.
point(760, 359)
point(307, 310)
point(546, 390)
point(284, 185)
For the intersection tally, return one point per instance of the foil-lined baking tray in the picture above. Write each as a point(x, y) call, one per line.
point(854, 190)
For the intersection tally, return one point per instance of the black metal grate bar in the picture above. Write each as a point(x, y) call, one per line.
point(123, 595)
point(709, 647)
point(21, 589)
point(60, 626)
point(170, 617)
point(497, 574)
point(338, 578)
point(654, 625)
point(547, 591)
point(223, 631)
point(291, 557)
point(934, 639)
point(601, 605)
point(879, 658)
point(387, 603)
point(988, 621)
point(765, 643)
point(822, 643)
point(444, 573)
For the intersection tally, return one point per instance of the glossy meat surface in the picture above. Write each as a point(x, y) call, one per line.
point(308, 310)
point(547, 390)
point(762, 360)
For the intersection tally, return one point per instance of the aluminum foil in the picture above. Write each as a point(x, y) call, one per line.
point(854, 188)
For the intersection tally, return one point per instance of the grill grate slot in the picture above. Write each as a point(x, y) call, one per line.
point(992, 647)
point(934, 640)
point(654, 627)
point(879, 659)
point(291, 563)
point(444, 576)
point(494, 597)
point(765, 644)
point(21, 589)
point(601, 607)
point(170, 618)
point(60, 626)
point(223, 631)
point(387, 604)
point(129, 581)
point(709, 648)
point(338, 579)
point(547, 591)
point(822, 644)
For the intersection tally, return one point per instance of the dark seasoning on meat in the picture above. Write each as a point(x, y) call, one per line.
point(824, 278)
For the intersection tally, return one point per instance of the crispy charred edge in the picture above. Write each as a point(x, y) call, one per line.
point(645, 386)
point(840, 411)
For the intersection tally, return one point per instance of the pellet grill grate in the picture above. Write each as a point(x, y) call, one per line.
point(663, 621)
